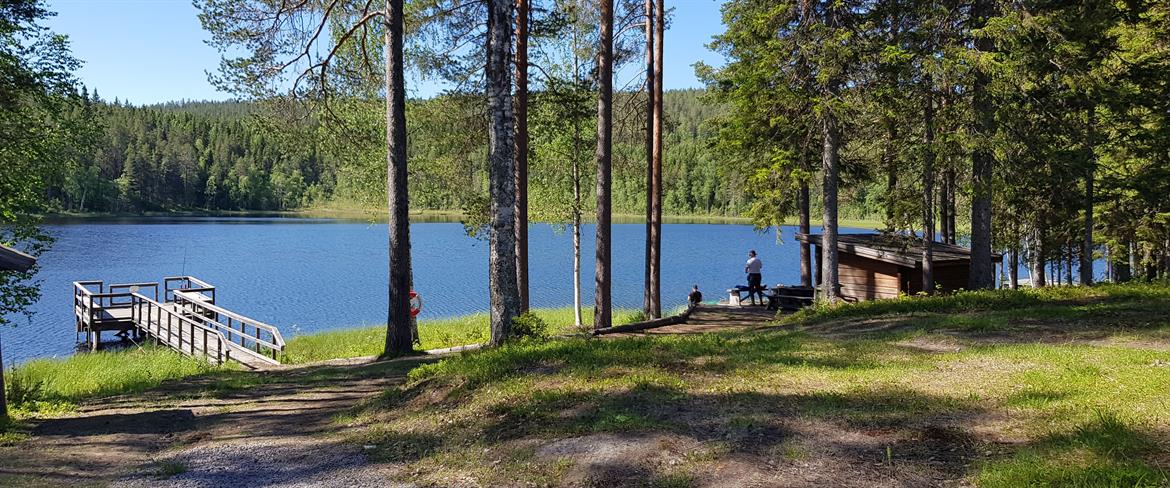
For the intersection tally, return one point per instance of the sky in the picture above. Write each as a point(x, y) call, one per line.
point(154, 51)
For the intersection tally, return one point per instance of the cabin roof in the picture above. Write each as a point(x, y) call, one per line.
point(13, 260)
point(895, 248)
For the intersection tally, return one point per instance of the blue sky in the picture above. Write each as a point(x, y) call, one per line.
point(151, 51)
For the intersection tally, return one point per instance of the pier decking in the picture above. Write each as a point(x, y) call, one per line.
point(184, 317)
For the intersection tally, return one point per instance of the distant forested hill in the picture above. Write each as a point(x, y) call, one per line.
point(233, 156)
point(192, 155)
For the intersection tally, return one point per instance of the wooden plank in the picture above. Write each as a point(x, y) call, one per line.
point(13, 260)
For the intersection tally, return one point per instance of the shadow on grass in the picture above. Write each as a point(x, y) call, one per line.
point(858, 423)
point(853, 429)
point(1106, 451)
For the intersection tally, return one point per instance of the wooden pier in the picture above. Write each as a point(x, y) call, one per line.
point(184, 317)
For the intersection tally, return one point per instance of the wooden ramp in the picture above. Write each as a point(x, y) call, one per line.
point(184, 318)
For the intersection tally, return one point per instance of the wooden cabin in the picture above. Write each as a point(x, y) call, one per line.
point(13, 260)
point(874, 266)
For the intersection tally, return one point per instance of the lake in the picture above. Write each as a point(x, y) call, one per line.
point(310, 275)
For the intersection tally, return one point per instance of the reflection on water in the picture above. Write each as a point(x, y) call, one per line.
point(333, 273)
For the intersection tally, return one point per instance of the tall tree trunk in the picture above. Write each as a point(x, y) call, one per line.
point(1122, 271)
point(522, 153)
point(890, 164)
point(602, 313)
point(647, 294)
point(1014, 262)
point(1133, 268)
point(830, 168)
point(577, 319)
point(656, 247)
point(952, 208)
point(577, 157)
point(505, 297)
point(982, 161)
point(399, 338)
point(3, 389)
point(806, 266)
point(1109, 276)
point(928, 194)
point(944, 211)
point(1037, 259)
point(1087, 243)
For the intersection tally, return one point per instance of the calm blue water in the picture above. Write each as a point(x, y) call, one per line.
point(308, 275)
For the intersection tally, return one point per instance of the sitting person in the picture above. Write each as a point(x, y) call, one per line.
point(695, 298)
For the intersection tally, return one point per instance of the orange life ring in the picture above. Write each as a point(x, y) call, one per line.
point(416, 303)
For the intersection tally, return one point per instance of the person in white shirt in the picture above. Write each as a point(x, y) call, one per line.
point(752, 268)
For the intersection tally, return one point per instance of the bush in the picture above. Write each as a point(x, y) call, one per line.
point(23, 389)
point(635, 317)
point(529, 326)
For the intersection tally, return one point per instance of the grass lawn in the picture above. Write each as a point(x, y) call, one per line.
point(46, 386)
point(1059, 387)
point(433, 334)
point(55, 385)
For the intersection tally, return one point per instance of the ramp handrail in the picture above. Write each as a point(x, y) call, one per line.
point(141, 311)
point(268, 346)
point(189, 283)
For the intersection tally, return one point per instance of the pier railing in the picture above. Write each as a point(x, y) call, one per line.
point(185, 334)
point(245, 334)
point(89, 305)
point(184, 317)
point(171, 284)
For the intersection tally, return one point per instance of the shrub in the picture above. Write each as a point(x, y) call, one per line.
point(635, 317)
point(528, 325)
point(23, 389)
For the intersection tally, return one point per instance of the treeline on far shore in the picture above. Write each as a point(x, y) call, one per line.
point(230, 156)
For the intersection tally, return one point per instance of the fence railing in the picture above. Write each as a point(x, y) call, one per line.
point(185, 317)
point(171, 284)
point(243, 333)
point(185, 334)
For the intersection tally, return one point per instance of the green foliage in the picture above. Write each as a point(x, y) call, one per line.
point(169, 469)
point(43, 125)
point(49, 385)
point(22, 389)
point(205, 155)
point(529, 325)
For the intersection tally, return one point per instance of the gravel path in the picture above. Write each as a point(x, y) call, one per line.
point(279, 462)
point(279, 432)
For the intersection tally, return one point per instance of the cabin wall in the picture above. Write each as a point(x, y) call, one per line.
point(867, 279)
point(948, 277)
point(863, 278)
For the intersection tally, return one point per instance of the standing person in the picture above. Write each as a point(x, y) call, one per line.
point(752, 268)
point(695, 298)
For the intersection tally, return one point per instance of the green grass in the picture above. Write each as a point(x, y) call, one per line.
point(1005, 409)
point(48, 385)
point(433, 334)
point(169, 469)
point(45, 386)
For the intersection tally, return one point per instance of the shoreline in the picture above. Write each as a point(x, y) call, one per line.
point(417, 216)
